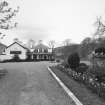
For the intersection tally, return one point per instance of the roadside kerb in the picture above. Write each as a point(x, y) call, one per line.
point(70, 94)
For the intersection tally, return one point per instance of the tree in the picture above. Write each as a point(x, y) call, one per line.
point(7, 15)
point(52, 44)
point(87, 40)
point(86, 47)
point(74, 60)
point(100, 27)
point(31, 43)
point(66, 46)
point(67, 42)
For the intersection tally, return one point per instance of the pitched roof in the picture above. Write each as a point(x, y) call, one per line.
point(39, 46)
point(19, 45)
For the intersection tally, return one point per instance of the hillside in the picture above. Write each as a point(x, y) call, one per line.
point(63, 51)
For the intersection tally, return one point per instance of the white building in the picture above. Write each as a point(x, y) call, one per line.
point(15, 48)
point(38, 52)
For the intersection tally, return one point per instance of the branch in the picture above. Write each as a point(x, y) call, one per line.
point(7, 14)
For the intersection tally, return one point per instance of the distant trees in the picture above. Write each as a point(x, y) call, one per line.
point(98, 40)
point(88, 44)
point(85, 47)
point(87, 40)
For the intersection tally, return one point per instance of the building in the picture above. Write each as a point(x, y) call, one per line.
point(41, 52)
point(16, 49)
point(38, 52)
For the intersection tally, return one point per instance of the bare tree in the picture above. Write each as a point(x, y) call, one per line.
point(7, 15)
point(52, 44)
point(31, 43)
point(67, 42)
point(100, 27)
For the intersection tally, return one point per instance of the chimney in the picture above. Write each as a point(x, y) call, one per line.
point(40, 42)
point(16, 40)
point(31, 43)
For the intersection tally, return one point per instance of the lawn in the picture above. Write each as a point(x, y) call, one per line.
point(11, 85)
point(80, 91)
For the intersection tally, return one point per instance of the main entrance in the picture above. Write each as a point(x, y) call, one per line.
point(42, 57)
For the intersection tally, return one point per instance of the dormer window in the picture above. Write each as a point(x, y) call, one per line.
point(40, 50)
point(36, 50)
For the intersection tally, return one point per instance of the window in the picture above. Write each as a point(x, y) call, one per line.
point(40, 50)
point(45, 51)
point(36, 50)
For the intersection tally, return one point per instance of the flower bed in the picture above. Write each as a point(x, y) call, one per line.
point(88, 79)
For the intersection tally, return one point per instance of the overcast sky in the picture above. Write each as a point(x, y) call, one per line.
point(56, 19)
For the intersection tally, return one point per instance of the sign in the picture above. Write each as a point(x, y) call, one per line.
point(15, 52)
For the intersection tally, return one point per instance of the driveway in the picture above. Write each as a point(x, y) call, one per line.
point(40, 88)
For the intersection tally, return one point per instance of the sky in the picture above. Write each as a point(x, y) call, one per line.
point(55, 20)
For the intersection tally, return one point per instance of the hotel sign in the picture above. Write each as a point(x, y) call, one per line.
point(15, 52)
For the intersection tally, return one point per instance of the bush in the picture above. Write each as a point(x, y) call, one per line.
point(100, 50)
point(58, 60)
point(16, 58)
point(82, 68)
point(65, 64)
point(99, 73)
point(74, 60)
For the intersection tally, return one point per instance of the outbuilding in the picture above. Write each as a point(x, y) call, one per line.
point(16, 49)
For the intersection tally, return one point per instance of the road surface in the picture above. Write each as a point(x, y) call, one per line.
point(39, 88)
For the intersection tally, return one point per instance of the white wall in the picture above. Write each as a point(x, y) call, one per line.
point(16, 47)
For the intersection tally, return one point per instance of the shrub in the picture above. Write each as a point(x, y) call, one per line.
point(82, 68)
point(100, 50)
point(74, 60)
point(65, 64)
point(58, 60)
point(99, 73)
point(16, 58)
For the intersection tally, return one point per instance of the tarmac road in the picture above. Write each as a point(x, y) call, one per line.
point(40, 87)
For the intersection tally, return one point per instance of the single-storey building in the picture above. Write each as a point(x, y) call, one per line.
point(16, 49)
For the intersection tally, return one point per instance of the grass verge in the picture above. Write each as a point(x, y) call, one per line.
point(79, 90)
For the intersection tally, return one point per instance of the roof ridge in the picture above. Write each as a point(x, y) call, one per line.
point(18, 44)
